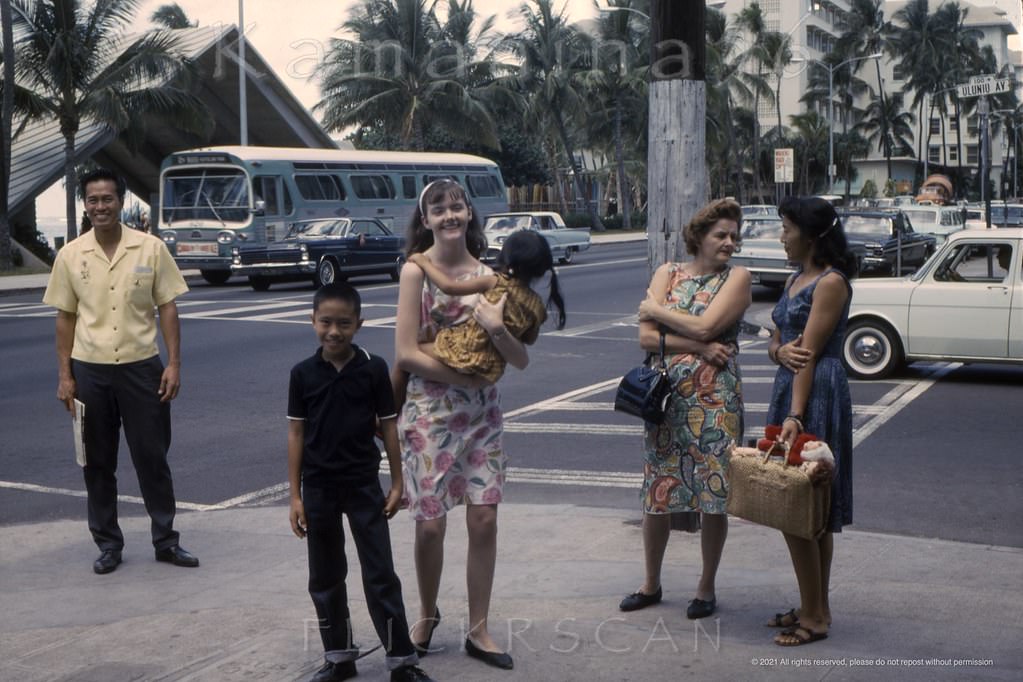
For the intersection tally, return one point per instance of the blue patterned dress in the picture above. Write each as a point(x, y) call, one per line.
point(828, 413)
point(687, 454)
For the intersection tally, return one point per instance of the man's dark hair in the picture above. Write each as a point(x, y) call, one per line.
point(338, 291)
point(104, 174)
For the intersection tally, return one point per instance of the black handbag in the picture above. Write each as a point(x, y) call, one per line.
point(646, 390)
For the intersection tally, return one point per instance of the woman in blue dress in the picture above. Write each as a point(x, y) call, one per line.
point(811, 392)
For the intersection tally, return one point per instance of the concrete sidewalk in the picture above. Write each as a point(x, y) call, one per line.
point(904, 608)
point(15, 284)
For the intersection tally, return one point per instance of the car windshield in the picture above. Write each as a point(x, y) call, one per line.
point(760, 209)
point(867, 226)
point(1006, 215)
point(761, 229)
point(919, 217)
point(507, 223)
point(319, 228)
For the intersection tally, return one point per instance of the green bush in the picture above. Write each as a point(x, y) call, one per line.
point(613, 222)
point(578, 220)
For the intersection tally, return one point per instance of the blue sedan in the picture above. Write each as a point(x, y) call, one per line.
point(323, 251)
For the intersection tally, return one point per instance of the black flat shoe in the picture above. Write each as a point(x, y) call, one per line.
point(107, 561)
point(638, 600)
point(700, 609)
point(498, 659)
point(335, 672)
point(177, 556)
point(410, 673)
point(423, 648)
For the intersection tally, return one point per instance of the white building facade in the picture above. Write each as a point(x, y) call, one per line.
point(814, 27)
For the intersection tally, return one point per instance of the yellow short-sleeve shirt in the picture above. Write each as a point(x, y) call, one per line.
point(115, 299)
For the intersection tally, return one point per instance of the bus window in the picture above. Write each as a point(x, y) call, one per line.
point(319, 187)
point(482, 186)
point(427, 179)
point(265, 188)
point(408, 187)
point(216, 194)
point(372, 186)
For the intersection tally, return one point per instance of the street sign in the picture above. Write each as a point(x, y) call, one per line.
point(984, 85)
point(785, 165)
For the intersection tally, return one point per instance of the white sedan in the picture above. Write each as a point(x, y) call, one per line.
point(965, 304)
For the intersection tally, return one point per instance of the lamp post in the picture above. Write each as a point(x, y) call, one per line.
point(831, 108)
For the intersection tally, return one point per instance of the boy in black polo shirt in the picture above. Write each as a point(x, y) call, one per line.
point(334, 401)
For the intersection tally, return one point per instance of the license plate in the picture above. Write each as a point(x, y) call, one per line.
point(198, 249)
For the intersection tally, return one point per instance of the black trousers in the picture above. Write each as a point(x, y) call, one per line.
point(363, 504)
point(126, 394)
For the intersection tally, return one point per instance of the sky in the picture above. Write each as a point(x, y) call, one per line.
point(292, 35)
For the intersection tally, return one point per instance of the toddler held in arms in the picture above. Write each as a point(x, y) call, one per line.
point(468, 347)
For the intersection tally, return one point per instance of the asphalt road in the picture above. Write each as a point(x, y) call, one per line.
point(936, 449)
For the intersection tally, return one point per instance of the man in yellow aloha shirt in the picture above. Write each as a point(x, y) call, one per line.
point(106, 286)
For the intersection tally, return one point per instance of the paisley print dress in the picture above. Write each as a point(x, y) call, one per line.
point(686, 455)
point(828, 413)
point(450, 435)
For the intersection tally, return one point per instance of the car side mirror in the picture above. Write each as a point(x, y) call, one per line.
point(259, 207)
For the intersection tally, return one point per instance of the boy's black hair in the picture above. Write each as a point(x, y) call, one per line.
point(338, 291)
point(526, 256)
point(104, 174)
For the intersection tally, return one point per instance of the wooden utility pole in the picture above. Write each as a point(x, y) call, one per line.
point(676, 159)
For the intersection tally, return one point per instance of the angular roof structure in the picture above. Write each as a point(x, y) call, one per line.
point(275, 118)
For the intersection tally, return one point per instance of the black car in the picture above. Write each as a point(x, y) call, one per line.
point(879, 237)
point(323, 251)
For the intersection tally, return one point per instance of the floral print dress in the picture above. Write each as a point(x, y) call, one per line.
point(687, 454)
point(450, 435)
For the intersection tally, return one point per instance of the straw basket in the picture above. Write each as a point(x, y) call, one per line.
point(773, 494)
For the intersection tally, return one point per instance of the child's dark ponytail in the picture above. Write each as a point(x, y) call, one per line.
point(526, 256)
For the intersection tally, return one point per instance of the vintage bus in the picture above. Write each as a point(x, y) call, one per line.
point(216, 198)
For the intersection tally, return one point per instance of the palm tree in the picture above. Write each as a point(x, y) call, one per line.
point(727, 85)
point(811, 148)
point(751, 20)
point(403, 72)
point(552, 55)
point(776, 54)
point(172, 15)
point(82, 67)
point(617, 84)
point(887, 124)
point(6, 120)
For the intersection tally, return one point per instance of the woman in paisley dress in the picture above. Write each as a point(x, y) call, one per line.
point(698, 304)
point(811, 392)
point(450, 424)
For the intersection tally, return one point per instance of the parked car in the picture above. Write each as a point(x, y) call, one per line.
point(964, 305)
point(879, 237)
point(323, 251)
point(564, 241)
point(761, 251)
point(939, 221)
point(759, 210)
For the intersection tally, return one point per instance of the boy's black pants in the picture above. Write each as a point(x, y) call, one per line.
point(363, 504)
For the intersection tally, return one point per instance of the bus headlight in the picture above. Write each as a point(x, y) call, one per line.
point(225, 237)
point(168, 236)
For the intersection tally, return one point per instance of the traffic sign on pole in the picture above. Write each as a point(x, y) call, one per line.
point(785, 165)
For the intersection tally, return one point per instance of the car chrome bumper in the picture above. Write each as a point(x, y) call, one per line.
point(269, 269)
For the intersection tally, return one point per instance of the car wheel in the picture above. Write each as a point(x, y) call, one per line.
point(216, 277)
point(871, 350)
point(396, 273)
point(328, 272)
point(567, 257)
point(259, 283)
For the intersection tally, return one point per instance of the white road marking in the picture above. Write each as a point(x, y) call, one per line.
point(629, 321)
point(29, 487)
point(909, 396)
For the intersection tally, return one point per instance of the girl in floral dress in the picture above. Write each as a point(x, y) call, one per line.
point(451, 423)
point(698, 304)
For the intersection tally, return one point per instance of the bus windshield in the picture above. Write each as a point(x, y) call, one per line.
point(218, 195)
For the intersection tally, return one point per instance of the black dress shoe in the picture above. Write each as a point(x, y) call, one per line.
point(410, 673)
point(423, 648)
point(498, 659)
point(639, 600)
point(177, 556)
point(700, 609)
point(335, 672)
point(107, 561)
